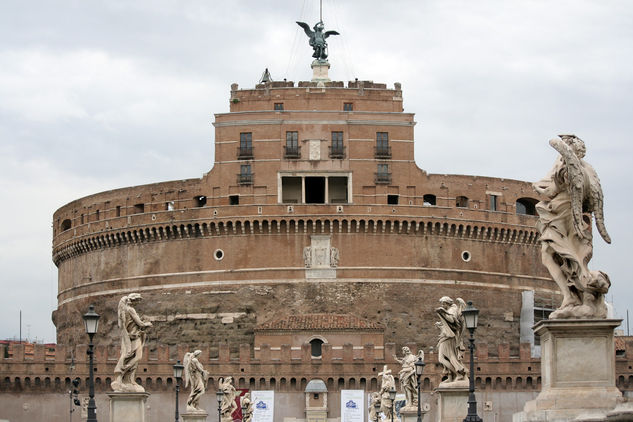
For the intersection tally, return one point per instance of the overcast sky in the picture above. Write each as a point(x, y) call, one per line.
point(100, 95)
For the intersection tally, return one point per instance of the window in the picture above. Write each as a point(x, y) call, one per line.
point(292, 145)
point(382, 145)
point(82, 218)
point(139, 208)
point(383, 175)
point(118, 210)
point(526, 206)
point(246, 145)
point(279, 106)
point(169, 205)
point(316, 347)
point(66, 224)
point(97, 215)
point(200, 200)
point(245, 177)
point(234, 199)
point(337, 149)
point(493, 203)
point(429, 200)
point(291, 190)
point(461, 202)
point(392, 199)
point(348, 107)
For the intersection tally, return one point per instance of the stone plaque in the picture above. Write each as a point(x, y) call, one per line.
point(315, 149)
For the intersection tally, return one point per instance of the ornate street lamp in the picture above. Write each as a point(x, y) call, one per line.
point(392, 397)
point(177, 374)
point(419, 368)
point(377, 408)
point(471, 317)
point(91, 323)
point(219, 395)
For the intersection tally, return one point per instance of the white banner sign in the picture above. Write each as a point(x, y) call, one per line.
point(352, 405)
point(263, 405)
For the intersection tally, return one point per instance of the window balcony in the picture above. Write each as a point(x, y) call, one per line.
point(382, 151)
point(382, 178)
point(293, 151)
point(245, 178)
point(244, 153)
point(337, 151)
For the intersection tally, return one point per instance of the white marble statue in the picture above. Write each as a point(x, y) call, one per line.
point(228, 405)
point(197, 377)
point(387, 383)
point(373, 414)
point(132, 341)
point(247, 408)
point(450, 345)
point(572, 196)
point(408, 379)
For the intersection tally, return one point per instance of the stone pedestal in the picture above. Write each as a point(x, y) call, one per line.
point(194, 417)
point(128, 407)
point(320, 71)
point(409, 414)
point(577, 371)
point(452, 403)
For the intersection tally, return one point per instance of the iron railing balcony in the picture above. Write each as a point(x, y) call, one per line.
point(382, 178)
point(382, 151)
point(245, 178)
point(244, 153)
point(337, 151)
point(293, 151)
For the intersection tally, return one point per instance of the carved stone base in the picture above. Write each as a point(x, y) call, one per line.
point(320, 71)
point(409, 414)
point(314, 414)
point(128, 407)
point(578, 372)
point(194, 417)
point(452, 403)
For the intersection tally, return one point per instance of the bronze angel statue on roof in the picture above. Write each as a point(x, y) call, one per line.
point(572, 198)
point(317, 39)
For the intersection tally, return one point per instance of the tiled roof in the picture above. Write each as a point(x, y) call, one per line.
point(320, 322)
point(620, 341)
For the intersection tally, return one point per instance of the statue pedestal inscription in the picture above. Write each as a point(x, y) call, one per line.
point(194, 417)
point(577, 369)
point(452, 403)
point(128, 407)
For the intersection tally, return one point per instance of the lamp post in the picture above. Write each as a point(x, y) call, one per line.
point(377, 408)
point(219, 395)
point(419, 368)
point(91, 323)
point(392, 397)
point(471, 317)
point(244, 407)
point(177, 374)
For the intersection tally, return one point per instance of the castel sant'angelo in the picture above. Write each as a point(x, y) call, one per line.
point(315, 247)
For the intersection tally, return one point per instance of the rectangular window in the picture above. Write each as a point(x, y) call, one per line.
point(118, 210)
point(292, 145)
point(493, 203)
point(392, 199)
point(382, 145)
point(348, 107)
point(336, 149)
point(97, 215)
point(82, 218)
point(383, 175)
point(246, 145)
point(279, 106)
point(246, 176)
point(139, 208)
point(169, 206)
point(200, 201)
point(234, 199)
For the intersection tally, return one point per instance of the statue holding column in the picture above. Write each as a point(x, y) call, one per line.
point(132, 342)
point(195, 375)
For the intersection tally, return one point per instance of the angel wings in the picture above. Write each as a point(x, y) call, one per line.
point(317, 39)
point(583, 185)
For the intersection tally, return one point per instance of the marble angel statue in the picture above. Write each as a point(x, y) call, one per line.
point(195, 375)
point(572, 198)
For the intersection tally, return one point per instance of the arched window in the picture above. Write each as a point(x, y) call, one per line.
point(526, 206)
point(429, 199)
point(66, 224)
point(316, 349)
